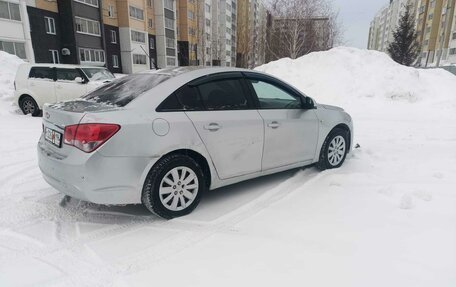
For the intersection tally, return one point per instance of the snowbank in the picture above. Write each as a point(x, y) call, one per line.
point(8, 67)
point(9, 64)
point(342, 75)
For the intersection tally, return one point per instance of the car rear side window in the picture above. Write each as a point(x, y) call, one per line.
point(67, 74)
point(223, 95)
point(122, 91)
point(44, 73)
point(189, 99)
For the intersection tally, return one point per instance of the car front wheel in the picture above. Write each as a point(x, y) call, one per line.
point(334, 150)
point(174, 186)
point(29, 106)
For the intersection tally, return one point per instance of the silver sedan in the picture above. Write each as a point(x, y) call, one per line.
point(163, 138)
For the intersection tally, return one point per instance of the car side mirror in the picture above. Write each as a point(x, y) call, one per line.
point(308, 104)
point(79, 80)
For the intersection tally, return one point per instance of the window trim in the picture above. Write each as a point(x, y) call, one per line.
point(88, 4)
point(117, 59)
point(9, 12)
point(113, 32)
point(55, 52)
point(48, 21)
point(87, 33)
point(129, 13)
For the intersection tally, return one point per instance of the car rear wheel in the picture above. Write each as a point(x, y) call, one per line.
point(29, 106)
point(174, 186)
point(334, 150)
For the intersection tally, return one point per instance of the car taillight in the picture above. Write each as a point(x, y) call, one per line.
point(89, 137)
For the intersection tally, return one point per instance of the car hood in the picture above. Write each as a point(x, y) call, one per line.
point(329, 107)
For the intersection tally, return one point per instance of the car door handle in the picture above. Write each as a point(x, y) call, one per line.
point(274, 125)
point(213, 127)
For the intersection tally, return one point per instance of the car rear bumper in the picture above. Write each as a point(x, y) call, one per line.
point(95, 178)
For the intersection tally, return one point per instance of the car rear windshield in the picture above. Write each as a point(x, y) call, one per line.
point(122, 91)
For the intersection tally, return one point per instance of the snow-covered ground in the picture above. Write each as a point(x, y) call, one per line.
point(386, 218)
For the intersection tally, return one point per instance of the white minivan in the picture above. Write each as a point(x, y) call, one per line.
point(37, 84)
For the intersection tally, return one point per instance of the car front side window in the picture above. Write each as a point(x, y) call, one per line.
point(273, 97)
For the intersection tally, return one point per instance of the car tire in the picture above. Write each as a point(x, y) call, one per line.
point(334, 149)
point(29, 106)
point(169, 195)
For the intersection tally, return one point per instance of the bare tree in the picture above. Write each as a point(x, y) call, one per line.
point(298, 27)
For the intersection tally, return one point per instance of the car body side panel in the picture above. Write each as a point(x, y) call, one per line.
point(329, 118)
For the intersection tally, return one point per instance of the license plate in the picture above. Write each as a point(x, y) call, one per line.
point(53, 137)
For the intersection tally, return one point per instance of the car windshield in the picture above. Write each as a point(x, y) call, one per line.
point(122, 91)
point(97, 74)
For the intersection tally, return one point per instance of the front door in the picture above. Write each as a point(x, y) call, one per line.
point(66, 87)
point(291, 133)
point(41, 83)
point(231, 130)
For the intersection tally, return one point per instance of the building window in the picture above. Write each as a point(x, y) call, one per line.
point(91, 55)
point(453, 51)
point(208, 22)
point(150, 23)
point(89, 2)
point(169, 4)
point(170, 43)
point(9, 11)
point(138, 37)
point(136, 13)
point(110, 11)
point(50, 25)
point(55, 56)
point(151, 43)
point(169, 23)
point(14, 48)
point(190, 15)
point(208, 8)
point(115, 61)
point(87, 26)
point(139, 59)
point(113, 37)
point(170, 61)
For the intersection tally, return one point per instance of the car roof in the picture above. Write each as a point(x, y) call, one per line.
point(197, 71)
point(68, 66)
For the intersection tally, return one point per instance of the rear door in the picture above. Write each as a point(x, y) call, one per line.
point(224, 117)
point(41, 83)
point(66, 88)
point(291, 132)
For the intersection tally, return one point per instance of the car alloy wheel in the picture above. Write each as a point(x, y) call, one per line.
point(178, 188)
point(336, 150)
point(28, 107)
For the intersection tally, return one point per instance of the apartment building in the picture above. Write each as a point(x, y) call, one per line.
point(15, 29)
point(129, 36)
point(384, 24)
point(251, 33)
point(443, 35)
point(187, 28)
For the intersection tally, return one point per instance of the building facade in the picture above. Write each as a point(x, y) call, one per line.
point(251, 34)
point(129, 36)
point(15, 29)
point(435, 25)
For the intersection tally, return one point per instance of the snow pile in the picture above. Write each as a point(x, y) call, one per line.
point(9, 64)
point(341, 75)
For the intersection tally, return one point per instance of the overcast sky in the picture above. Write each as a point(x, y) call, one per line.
point(356, 16)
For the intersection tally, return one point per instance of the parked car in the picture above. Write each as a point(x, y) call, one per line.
point(163, 138)
point(37, 84)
